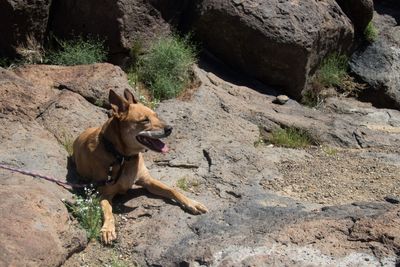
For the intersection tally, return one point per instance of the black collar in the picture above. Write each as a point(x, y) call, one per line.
point(113, 151)
point(119, 159)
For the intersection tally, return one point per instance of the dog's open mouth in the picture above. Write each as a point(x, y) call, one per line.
point(150, 139)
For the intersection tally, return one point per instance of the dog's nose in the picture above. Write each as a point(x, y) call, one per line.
point(168, 130)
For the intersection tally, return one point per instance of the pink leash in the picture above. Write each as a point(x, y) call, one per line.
point(45, 177)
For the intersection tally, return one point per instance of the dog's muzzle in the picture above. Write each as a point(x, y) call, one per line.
point(162, 133)
point(151, 139)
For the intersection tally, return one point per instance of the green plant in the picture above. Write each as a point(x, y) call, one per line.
point(371, 32)
point(99, 102)
point(88, 212)
point(165, 69)
point(330, 151)
point(137, 50)
point(4, 62)
point(185, 184)
point(291, 137)
point(332, 71)
point(116, 262)
point(77, 51)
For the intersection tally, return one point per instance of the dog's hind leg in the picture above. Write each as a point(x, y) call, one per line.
point(108, 230)
point(156, 187)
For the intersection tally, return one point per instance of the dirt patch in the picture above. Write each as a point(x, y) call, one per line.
point(332, 176)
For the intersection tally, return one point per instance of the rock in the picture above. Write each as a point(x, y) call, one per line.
point(120, 23)
point(248, 224)
point(379, 64)
point(93, 82)
point(36, 227)
point(20, 97)
point(23, 25)
point(281, 99)
point(69, 114)
point(273, 40)
point(38, 210)
point(245, 220)
point(360, 12)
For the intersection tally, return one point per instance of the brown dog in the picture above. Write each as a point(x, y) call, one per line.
point(111, 156)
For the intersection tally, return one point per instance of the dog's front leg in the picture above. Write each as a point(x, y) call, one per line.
point(156, 187)
point(108, 230)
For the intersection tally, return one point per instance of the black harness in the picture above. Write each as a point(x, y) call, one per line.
point(119, 160)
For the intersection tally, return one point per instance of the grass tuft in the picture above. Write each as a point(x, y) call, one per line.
point(186, 184)
point(332, 70)
point(371, 32)
point(331, 79)
point(166, 67)
point(291, 137)
point(88, 212)
point(330, 151)
point(77, 52)
point(117, 262)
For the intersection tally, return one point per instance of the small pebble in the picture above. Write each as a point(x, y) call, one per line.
point(281, 99)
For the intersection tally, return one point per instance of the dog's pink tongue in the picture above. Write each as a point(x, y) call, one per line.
point(165, 149)
point(158, 145)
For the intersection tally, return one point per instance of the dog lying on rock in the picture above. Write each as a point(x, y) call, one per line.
point(111, 156)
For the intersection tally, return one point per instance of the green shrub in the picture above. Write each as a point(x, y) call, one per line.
point(371, 32)
point(77, 52)
point(88, 212)
point(4, 62)
point(165, 69)
point(332, 71)
point(291, 137)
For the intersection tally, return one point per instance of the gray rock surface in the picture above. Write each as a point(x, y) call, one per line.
point(378, 64)
point(212, 149)
point(93, 82)
point(273, 40)
point(38, 121)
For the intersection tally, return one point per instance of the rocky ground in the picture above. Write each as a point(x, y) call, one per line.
point(268, 205)
point(335, 203)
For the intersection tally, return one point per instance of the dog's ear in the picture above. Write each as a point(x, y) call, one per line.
point(130, 97)
point(118, 104)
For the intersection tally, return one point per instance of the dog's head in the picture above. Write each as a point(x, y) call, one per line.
point(139, 126)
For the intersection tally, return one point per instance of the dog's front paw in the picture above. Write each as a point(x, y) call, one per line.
point(108, 233)
point(196, 207)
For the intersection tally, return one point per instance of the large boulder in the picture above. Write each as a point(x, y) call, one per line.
point(378, 64)
point(359, 11)
point(23, 25)
point(36, 227)
point(120, 23)
point(278, 42)
point(39, 121)
point(93, 82)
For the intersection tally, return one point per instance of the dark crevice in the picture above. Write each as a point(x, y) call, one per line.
point(208, 158)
